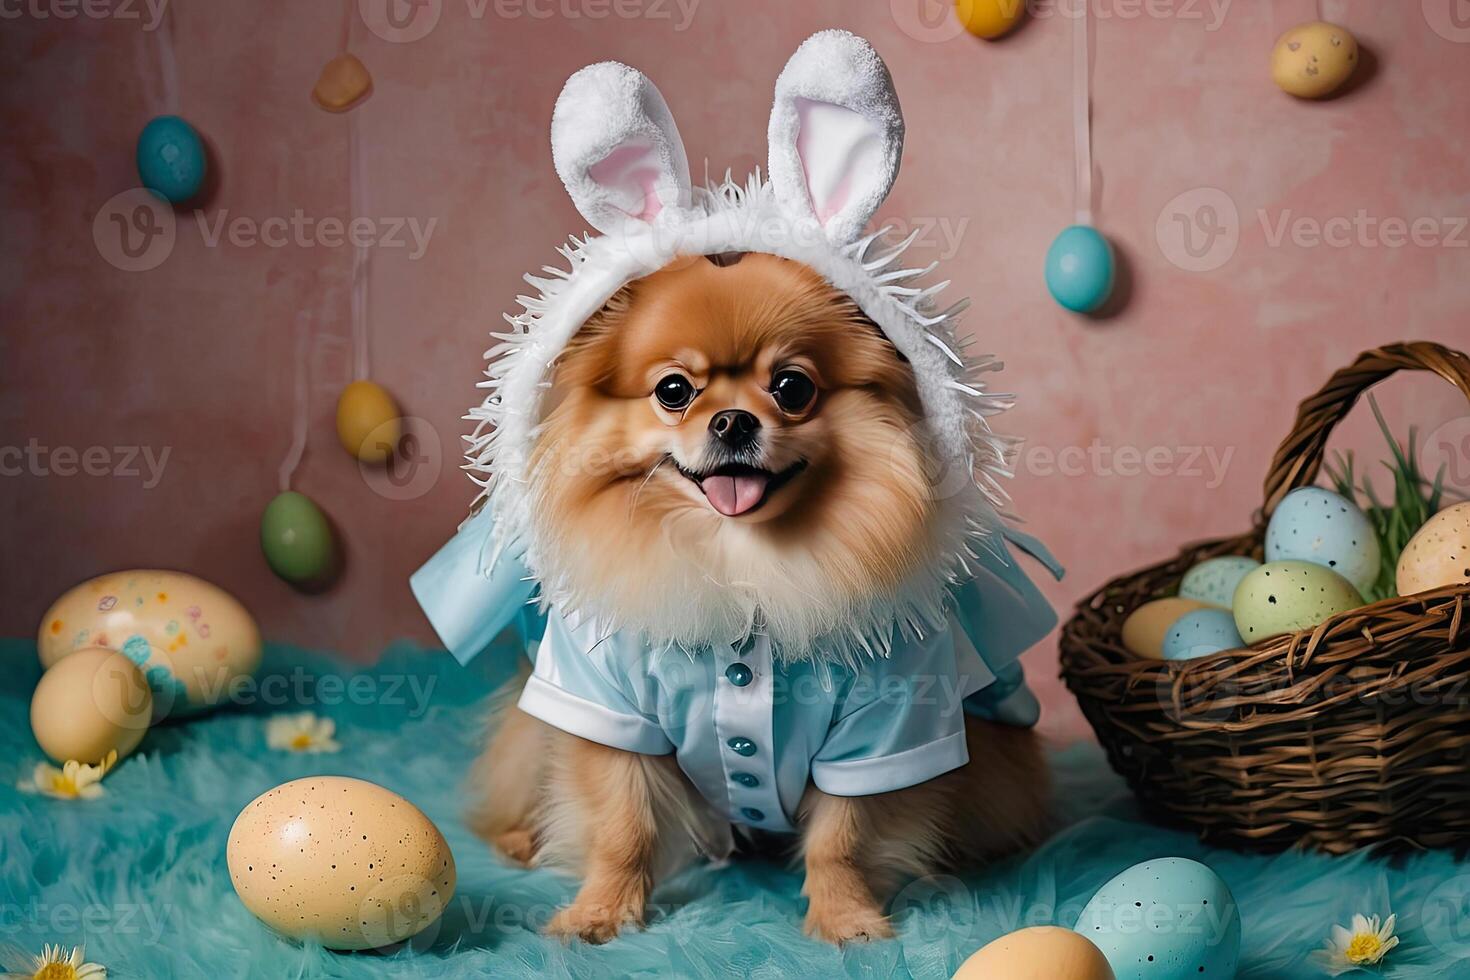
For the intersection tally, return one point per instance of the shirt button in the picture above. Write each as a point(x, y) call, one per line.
point(738, 674)
point(752, 814)
point(745, 779)
point(742, 746)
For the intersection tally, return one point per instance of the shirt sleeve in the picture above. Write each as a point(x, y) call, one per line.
point(578, 692)
point(900, 723)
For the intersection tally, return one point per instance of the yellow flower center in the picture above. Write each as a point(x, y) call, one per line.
point(1365, 948)
point(302, 741)
point(61, 785)
point(56, 971)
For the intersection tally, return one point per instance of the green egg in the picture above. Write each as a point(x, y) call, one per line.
point(1284, 597)
point(297, 540)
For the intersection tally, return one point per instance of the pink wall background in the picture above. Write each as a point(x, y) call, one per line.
point(196, 355)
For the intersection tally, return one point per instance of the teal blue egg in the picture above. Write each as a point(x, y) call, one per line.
point(171, 159)
point(297, 540)
point(1201, 633)
point(1214, 579)
point(1166, 919)
point(1080, 269)
point(1325, 528)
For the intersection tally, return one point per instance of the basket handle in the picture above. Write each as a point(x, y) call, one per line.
point(1299, 459)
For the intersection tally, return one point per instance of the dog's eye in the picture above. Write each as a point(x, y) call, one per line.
point(674, 392)
point(792, 390)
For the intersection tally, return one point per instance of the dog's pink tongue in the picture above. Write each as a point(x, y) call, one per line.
point(734, 495)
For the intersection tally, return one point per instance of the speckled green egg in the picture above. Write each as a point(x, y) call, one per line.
point(1214, 580)
point(1284, 597)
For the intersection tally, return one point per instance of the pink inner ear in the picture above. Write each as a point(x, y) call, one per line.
point(833, 144)
point(631, 173)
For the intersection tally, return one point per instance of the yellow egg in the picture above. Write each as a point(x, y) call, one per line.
point(990, 19)
point(193, 641)
point(340, 861)
point(93, 702)
point(368, 422)
point(1145, 628)
point(1313, 60)
point(1040, 953)
point(1438, 554)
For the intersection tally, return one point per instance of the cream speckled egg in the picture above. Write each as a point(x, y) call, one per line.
point(1039, 953)
point(1311, 61)
point(191, 639)
point(1438, 554)
point(91, 703)
point(1288, 596)
point(340, 861)
point(1145, 628)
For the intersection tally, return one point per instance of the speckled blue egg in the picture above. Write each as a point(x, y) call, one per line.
point(1201, 633)
point(1325, 528)
point(1079, 269)
point(1166, 919)
point(1214, 579)
point(171, 159)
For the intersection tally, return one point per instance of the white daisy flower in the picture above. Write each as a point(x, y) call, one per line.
point(1363, 946)
point(303, 732)
point(54, 963)
point(73, 781)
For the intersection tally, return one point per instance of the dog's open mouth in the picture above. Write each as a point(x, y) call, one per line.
point(736, 489)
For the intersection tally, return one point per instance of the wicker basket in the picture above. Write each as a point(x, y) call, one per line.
point(1355, 734)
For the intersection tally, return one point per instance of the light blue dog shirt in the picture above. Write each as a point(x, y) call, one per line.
point(748, 729)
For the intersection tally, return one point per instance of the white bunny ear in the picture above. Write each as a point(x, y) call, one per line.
point(836, 133)
point(616, 147)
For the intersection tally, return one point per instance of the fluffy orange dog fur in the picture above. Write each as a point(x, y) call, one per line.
point(630, 535)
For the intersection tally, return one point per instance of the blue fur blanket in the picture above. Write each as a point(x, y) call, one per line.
point(139, 875)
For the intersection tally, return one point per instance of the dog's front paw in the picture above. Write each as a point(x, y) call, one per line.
point(592, 923)
point(854, 922)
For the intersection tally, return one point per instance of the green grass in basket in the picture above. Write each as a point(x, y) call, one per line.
point(1415, 500)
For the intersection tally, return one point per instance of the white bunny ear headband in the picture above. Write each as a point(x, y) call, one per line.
point(836, 134)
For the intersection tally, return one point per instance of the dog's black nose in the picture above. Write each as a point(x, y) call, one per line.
point(734, 426)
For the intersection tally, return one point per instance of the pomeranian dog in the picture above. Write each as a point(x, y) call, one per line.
point(730, 447)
